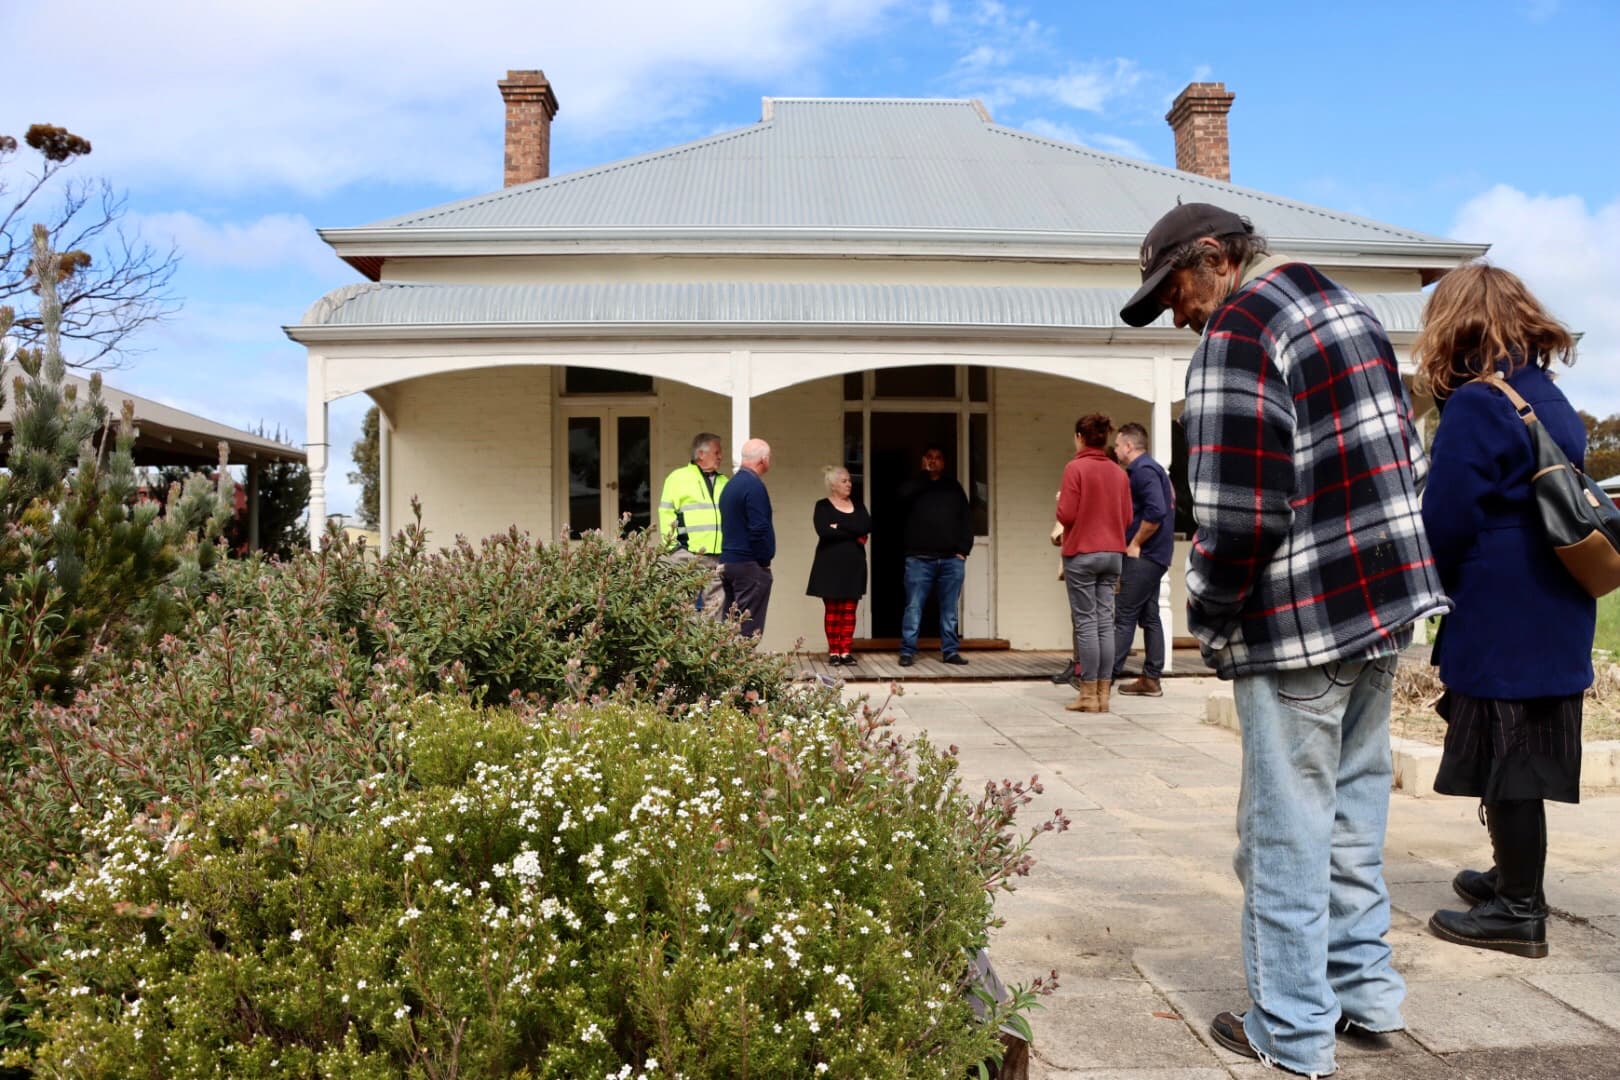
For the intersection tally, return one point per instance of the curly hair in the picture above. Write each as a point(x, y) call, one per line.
point(1093, 429)
point(1479, 315)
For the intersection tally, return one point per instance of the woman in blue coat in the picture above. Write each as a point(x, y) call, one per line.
point(1515, 653)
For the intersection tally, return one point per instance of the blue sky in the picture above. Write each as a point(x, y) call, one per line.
point(237, 129)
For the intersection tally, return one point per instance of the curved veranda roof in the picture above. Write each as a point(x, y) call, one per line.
point(368, 311)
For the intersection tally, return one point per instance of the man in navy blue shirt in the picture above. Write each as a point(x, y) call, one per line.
point(748, 538)
point(1149, 547)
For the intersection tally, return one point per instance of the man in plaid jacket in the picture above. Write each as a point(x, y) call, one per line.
point(1308, 569)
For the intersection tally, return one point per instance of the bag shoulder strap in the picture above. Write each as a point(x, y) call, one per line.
point(1497, 381)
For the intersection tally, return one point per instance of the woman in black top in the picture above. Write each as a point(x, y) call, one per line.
point(838, 574)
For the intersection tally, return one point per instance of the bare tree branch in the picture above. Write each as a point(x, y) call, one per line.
point(114, 284)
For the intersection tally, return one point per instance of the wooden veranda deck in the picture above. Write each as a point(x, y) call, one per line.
point(982, 665)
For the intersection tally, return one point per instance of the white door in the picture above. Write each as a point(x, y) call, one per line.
point(607, 469)
point(978, 588)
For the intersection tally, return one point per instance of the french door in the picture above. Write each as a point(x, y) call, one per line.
point(607, 468)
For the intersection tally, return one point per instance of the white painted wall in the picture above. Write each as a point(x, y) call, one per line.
point(1034, 439)
point(476, 448)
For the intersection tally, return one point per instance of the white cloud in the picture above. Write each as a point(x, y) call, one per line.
point(939, 12)
point(1086, 87)
point(269, 242)
point(1569, 255)
point(314, 94)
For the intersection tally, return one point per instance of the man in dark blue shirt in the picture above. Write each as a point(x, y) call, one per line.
point(1149, 548)
point(748, 538)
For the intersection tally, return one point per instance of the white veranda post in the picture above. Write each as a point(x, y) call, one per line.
point(1164, 386)
point(742, 389)
point(315, 446)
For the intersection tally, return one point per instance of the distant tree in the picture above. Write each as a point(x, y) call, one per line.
point(1602, 446)
point(283, 501)
point(112, 282)
point(367, 462)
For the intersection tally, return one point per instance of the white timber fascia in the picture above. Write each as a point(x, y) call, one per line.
point(406, 242)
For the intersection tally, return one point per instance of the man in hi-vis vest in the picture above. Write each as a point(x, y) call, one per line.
point(689, 516)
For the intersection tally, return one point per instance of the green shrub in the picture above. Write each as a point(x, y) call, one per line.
point(84, 565)
point(307, 664)
point(601, 889)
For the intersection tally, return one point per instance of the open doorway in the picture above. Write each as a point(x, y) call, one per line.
point(897, 441)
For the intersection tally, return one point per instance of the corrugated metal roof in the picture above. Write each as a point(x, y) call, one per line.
point(396, 305)
point(881, 164)
point(160, 425)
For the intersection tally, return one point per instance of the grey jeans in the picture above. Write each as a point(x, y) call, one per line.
point(712, 597)
point(1091, 580)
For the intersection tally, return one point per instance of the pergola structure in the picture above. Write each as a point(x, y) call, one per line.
point(170, 436)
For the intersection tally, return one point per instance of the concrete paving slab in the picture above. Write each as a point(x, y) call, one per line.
point(1558, 1063)
point(1595, 995)
point(1174, 969)
point(1495, 1014)
point(1138, 901)
point(1406, 1067)
point(1115, 1031)
point(1042, 1073)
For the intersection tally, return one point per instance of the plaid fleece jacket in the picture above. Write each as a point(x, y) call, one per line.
point(1306, 471)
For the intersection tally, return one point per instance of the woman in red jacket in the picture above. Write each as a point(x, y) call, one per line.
point(1094, 508)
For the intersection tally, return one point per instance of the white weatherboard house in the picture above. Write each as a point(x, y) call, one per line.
point(849, 279)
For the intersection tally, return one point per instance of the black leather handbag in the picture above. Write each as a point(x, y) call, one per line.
point(1581, 521)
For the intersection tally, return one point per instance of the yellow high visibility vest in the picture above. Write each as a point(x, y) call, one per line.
point(689, 513)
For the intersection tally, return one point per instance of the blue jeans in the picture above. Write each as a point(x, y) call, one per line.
point(1139, 606)
point(925, 573)
point(1311, 818)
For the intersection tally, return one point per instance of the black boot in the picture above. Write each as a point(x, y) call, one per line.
point(1514, 920)
point(1475, 886)
point(1068, 676)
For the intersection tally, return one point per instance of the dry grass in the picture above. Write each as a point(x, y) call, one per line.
point(1417, 688)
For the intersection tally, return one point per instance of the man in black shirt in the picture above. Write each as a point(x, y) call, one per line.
point(938, 536)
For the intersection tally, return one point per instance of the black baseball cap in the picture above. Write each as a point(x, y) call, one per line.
point(1186, 223)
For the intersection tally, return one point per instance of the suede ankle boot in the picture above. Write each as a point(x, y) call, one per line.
point(1085, 700)
point(1514, 920)
point(1104, 686)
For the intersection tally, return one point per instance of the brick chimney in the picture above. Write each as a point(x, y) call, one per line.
point(1198, 118)
point(530, 105)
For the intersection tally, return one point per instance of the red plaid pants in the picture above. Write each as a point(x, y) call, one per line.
point(840, 625)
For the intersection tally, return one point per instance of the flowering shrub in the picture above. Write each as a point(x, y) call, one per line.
point(588, 890)
point(308, 663)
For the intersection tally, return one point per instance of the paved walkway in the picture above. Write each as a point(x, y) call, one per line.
point(1137, 905)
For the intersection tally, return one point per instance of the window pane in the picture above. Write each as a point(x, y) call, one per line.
point(855, 454)
point(584, 474)
point(978, 384)
point(854, 386)
point(584, 380)
point(929, 381)
point(635, 471)
point(979, 472)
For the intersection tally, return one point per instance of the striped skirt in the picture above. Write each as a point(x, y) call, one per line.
point(1498, 750)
